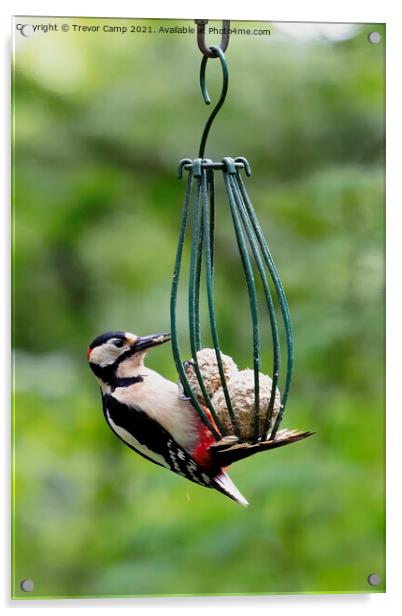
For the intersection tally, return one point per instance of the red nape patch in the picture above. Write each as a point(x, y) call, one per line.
point(89, 351)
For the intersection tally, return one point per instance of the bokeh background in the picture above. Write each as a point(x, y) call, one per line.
point(100, 121)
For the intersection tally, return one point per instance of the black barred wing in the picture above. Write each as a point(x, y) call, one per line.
point(148, 438)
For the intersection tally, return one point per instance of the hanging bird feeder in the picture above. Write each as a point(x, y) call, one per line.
point(261, 277)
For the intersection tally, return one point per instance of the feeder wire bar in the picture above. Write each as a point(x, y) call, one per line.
point(252, 293)
point(211, 308)
point(173, 304)
point(282, 303)
point(252, 239)
point(193, 298)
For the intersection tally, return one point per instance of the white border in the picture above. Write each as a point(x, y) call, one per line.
point(308, 10)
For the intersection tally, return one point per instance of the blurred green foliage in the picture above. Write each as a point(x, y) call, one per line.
point(100, 123)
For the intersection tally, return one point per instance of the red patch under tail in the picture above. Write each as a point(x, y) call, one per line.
point(201, 453)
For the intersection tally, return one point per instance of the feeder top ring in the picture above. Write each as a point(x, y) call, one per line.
point(207, 51)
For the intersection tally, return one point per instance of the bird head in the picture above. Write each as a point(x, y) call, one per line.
point(117, 354)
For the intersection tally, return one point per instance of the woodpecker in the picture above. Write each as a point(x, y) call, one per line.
point(148, 413)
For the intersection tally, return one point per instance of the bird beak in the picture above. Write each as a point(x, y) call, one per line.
point(147, 342)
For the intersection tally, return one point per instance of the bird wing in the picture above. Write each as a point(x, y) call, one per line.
point(147, 437)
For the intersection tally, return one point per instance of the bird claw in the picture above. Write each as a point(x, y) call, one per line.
point(184, 397)
point(181, 395)
point(188, 362)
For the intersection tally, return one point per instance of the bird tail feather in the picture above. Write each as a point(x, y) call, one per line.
point(226, 486)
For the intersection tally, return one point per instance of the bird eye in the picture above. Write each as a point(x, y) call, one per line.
point(118, 343)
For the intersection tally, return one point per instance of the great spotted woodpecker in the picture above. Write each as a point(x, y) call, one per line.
point(147, 412)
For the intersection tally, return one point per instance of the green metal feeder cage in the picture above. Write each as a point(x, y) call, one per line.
point(256, 260)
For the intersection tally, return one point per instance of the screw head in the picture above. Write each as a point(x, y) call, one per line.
point(27, 585)
point(374, 37)
point(374, 579)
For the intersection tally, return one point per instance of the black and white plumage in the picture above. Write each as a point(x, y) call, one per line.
point(146, 412)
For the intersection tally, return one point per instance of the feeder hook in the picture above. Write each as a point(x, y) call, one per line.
point(205, 94)
point(205, 49)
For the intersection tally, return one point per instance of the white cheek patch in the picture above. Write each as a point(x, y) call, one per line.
point(106, 354)
point(129, 438)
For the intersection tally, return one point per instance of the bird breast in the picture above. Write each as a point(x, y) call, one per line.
point(159, 398)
